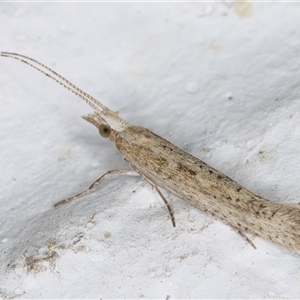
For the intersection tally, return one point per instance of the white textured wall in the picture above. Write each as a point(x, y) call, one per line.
point(221, 80)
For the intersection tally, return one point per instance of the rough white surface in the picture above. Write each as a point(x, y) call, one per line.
point(221, 80)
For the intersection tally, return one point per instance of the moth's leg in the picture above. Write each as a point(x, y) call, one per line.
point(167, 204)
point(158, 191)
point(246, 238)
point(96, 184)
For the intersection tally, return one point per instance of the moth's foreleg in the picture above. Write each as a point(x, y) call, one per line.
point(96, 184)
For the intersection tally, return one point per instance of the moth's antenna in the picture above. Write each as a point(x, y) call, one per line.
point(95, 104)
point(102, 114)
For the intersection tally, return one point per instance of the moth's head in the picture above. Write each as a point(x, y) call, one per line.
point(109, 125)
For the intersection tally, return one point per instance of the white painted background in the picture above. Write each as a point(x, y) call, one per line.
point(221, 80)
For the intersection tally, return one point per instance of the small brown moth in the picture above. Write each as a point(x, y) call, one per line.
point(164, 165)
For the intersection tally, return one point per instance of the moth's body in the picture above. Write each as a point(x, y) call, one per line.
point(164, 165)
point(207, 189)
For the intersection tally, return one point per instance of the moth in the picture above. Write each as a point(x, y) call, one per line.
point(164, 165)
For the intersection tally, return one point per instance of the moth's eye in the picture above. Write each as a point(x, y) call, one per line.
point(104, 131)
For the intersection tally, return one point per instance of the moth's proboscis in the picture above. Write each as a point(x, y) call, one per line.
point(166, 166)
